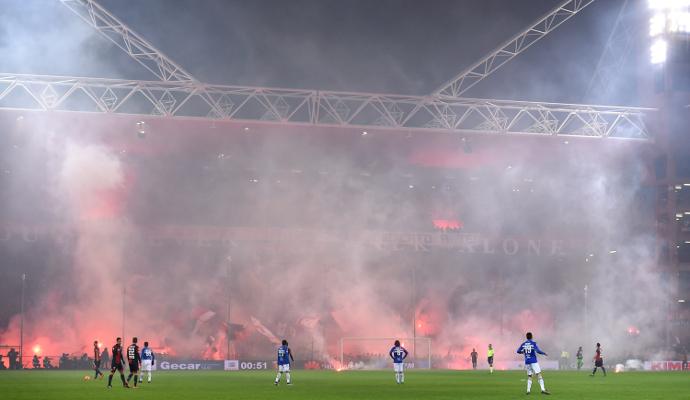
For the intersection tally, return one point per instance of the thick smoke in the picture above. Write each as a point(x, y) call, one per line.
point(325, 279)
point(78, 301)
point(44, 37)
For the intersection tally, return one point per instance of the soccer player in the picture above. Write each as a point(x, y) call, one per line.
point(490, 358)
point(398, 354)
point(580, 358)
point(598, 361)
point(284, 357)
point(530, 350)
point(473, 356)
point(12, 356)
point(147, 361)
point(117, 364)
point(105, 358)
point(134, 360)
point(97, 360)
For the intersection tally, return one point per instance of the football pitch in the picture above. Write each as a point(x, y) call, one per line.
point(378, 385)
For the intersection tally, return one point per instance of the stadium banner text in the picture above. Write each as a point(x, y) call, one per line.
point(207, 236)
point(189, 365)
point(665, 366)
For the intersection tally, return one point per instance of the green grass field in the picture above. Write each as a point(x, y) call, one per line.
point(379, 385)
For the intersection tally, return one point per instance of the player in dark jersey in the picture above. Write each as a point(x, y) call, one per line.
point(134, 360)
point(598, 361)
point(117, 364)
point(97, 360)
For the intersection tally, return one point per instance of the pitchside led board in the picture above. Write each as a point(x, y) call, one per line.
point(208, 365)
point(237, 365)
point(189, 365)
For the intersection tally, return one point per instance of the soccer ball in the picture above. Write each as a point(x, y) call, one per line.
point(87, 378)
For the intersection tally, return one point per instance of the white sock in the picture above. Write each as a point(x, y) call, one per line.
point(402, 377)
point(541, 383)
point(149, 376)
point(287, 377)
point(529, 384)
point(491, 369)
point(278, 377)
point(397, 377)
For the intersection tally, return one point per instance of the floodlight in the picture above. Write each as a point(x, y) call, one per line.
point(658, 51)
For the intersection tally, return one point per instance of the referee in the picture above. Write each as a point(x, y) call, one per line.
point(490, 358)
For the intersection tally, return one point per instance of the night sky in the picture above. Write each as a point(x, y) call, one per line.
point(390, 46)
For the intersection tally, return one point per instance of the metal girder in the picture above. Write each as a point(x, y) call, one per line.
point(128, 40)
point(511, 48)
point(614, 58)
point(323, 108)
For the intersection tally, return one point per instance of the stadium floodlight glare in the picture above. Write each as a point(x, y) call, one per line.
point(669, 17)
point(669, 21)
point(657, 24)
point(679, 21)
point(668, 4)
point(658, 51)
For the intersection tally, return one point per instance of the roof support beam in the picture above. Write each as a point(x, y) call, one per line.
point(469, 77)
point(129, 41)
point(322, 108)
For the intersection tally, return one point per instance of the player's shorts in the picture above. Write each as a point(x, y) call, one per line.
point(284, 368)
point(490, 360)
point(146, 365)
point(134, 366)
point(599, 362)
point(97, 364)
point(533, 368)
point(398, 367)
point(117, 367)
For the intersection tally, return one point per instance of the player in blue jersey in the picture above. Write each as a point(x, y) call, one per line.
point(284, 358)
point(530, 350)
point(398, 354)
point(148, 360)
